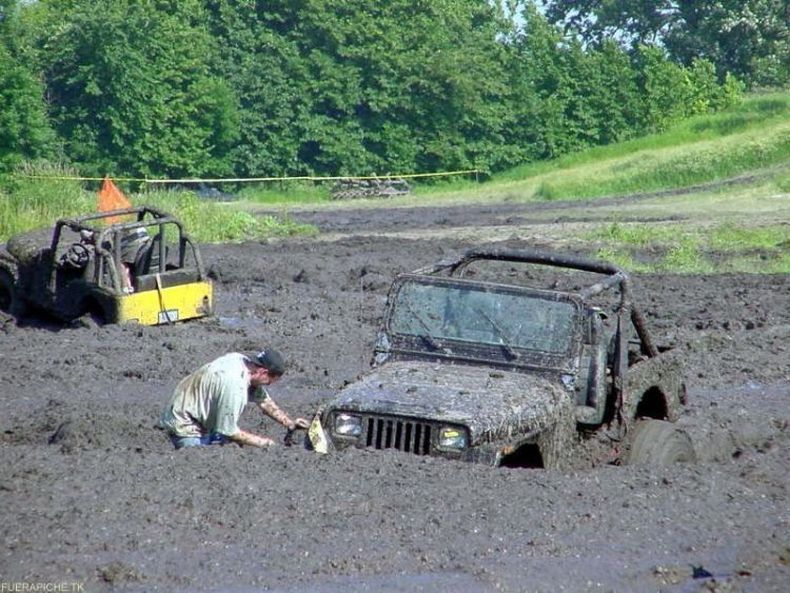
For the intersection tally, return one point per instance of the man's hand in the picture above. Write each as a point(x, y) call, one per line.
point(264, 442)
point(271, 409)
point(300, 423)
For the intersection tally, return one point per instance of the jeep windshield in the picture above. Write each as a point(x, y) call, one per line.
point(447, 314)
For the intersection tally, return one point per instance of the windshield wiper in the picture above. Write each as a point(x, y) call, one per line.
point(429, 339)
point(503, 336)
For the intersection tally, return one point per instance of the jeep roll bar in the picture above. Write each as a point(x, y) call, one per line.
point(146, 217)
point(616, 277)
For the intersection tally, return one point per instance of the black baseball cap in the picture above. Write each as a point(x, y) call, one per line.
point(269, 359)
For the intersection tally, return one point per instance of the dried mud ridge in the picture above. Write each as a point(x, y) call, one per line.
point(92, 493)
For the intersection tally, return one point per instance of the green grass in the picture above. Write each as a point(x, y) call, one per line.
point(675, 167)
point(731, 237)
point(637, 235)
point(38, 202)
point(782, 182)
point(753, 136)
point(752, 265)
point(286, 193)
point(209, 221)
point(727, 247)
point(35, 202)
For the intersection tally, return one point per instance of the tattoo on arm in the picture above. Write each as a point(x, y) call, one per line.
point(271, 409)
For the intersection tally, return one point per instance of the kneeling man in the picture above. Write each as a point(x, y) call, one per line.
point(206, 405)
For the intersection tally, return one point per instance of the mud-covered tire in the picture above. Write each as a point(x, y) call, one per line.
point(10, 302)
point(656, 442)
point(94, 316)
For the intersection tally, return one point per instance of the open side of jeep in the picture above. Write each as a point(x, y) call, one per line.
point(75, 270)
point(510, 374)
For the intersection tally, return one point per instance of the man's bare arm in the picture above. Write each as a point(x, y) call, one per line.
point(242, 437)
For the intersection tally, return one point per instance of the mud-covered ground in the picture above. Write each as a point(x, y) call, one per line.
point(93, 496)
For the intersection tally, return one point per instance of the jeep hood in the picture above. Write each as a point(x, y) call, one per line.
point(493, 404)
point(25, 247)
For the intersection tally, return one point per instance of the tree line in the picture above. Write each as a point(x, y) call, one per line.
point(174, 88)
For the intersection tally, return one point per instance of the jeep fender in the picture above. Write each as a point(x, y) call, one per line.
point(100, 306)
point(11, 300)
point(549, 447)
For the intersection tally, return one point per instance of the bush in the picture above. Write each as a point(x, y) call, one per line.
point(39, 195)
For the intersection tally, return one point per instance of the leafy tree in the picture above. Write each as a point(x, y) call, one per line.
point(364, 86)
point(131, 90)
point(260, 88)
point(24, 129)
point(671, 93)
point(264, 68)
point(748, 38)
point(666, 93)
point(568, 98)
point(613, 94)
point(633, 23)
point(537, 77)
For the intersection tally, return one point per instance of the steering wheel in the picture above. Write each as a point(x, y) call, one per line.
point(77, 256)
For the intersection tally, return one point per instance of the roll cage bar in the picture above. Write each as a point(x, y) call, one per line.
point(145, 217)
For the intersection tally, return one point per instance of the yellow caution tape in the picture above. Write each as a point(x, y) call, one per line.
point(256, 179)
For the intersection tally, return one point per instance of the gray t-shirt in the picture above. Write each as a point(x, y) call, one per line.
point(211, 399)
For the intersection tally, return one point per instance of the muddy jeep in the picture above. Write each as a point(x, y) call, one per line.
point(473, 368)
point(80, 268)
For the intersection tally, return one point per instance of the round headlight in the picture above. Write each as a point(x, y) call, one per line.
point(347, 425)
point(452, 438)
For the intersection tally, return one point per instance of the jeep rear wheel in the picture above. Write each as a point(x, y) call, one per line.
point(94, 315)
point(656, 442)
point(9, 298)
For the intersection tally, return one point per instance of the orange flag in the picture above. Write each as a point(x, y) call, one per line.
point(111, 198)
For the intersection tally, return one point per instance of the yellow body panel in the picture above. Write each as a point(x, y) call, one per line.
point(167, 305)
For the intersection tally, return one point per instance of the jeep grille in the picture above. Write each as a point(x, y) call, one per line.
point(409, 436)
